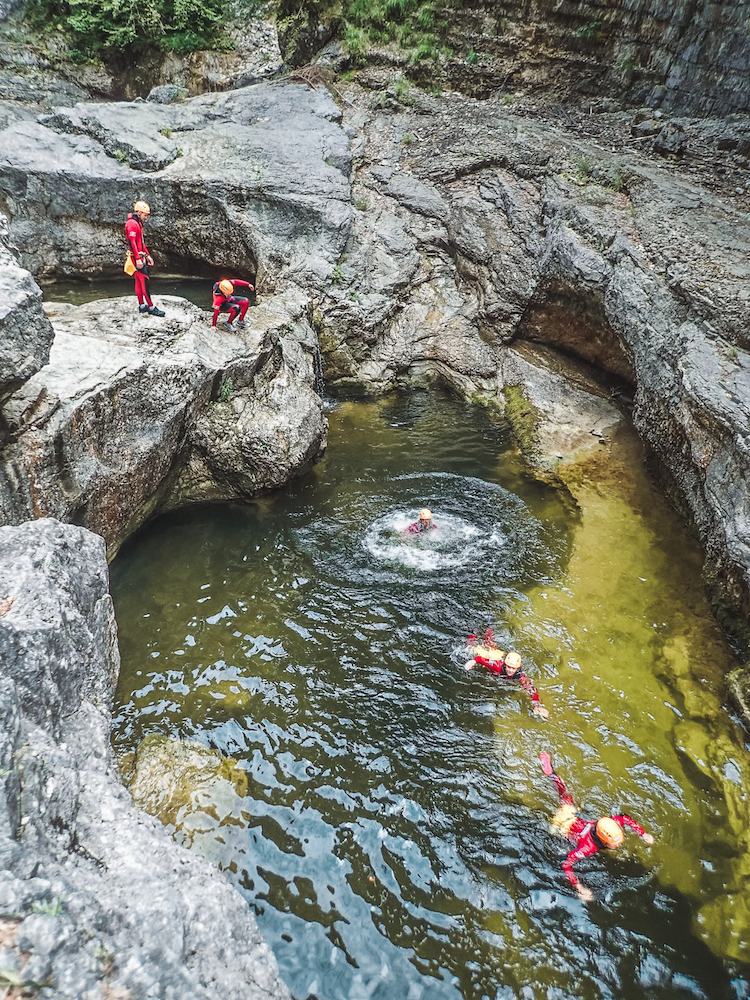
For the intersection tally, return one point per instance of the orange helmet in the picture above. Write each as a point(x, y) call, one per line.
point(425, 514)
point(141, 206)
point(513, 660)
point(609, 832)
point(226, 286)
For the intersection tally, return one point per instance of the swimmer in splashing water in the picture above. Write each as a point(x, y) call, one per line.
point(507, 665)
point(424, 523)
point(589, 836)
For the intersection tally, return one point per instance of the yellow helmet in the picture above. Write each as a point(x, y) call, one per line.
point(513, 660)
point(425, 514)
point(142, 206)
point(226, 286)
point(609, 832)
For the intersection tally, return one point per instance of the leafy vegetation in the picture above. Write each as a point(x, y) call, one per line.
point(108, 29)
point(418, 26)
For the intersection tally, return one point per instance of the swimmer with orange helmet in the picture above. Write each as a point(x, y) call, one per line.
point(425, 523)
point(496, 660)
point(588, 836)
point(225, 301)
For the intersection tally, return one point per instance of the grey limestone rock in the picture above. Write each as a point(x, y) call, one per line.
point(25, 332)
point(135, 414)
point(95, 893)
point(256, 179)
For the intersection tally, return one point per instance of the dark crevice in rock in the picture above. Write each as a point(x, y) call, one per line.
point(576, 322)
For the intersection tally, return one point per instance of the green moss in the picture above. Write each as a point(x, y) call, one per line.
point(524, 419)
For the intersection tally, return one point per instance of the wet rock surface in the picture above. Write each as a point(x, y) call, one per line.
point(137, 414)
point(96, 899)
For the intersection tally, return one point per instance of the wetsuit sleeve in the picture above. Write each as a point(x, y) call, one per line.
point(584, 851)
point(627, 821)
point(242, 284)
point(526, 684)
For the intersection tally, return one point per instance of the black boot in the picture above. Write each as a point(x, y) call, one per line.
point(153, 311)
point(143, 308)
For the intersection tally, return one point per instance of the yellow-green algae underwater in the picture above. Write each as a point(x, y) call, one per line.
point(383, 809)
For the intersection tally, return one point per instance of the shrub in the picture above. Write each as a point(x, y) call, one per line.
point(106, 28)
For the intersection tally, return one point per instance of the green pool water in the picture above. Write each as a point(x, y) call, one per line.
point(382, 809)
point(77, 291)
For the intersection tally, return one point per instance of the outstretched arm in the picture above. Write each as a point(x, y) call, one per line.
point(567, 866)
point(536, 704)
point(627, 821)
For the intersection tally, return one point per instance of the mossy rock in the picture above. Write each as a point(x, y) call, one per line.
point(524, 418)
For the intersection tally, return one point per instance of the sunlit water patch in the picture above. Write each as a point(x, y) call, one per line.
point(385, 813)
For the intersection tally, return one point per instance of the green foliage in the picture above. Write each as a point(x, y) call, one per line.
point(419, 25)
point(166, 132)
point(225, 391)
point(583, 167)
point(471, 57)
point(589, 31)
point(337, 275)
point(121, 156)
point(50, 908)
point(401, 88)
point(107, 28)
point(407, 139)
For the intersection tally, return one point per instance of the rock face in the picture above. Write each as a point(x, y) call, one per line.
point(135, 415)
point(472, 228)
point(257, 178)
point(96, 899)
point(25, 332)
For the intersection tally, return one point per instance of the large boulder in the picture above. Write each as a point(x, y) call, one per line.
point(25, 332)
point(256, 179)
point(96, 899)
point(135, 415)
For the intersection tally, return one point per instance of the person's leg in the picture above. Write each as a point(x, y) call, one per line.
point(140, 290)
point(243, 304)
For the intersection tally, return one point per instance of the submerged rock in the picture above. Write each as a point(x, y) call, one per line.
point(135, 415)
point(96, 898)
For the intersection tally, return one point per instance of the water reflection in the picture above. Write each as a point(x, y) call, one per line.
point(391, 823)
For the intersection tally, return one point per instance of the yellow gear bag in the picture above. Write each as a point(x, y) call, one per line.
point(129, 267)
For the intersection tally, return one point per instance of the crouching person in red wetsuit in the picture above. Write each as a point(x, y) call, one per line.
point(225, 301)
point(589, 836)
point(508, 665)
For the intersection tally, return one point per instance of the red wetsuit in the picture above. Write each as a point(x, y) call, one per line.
point(416, 528)
point(235, 305)
point(583, 834)
point(498, 667)
point(137, 246)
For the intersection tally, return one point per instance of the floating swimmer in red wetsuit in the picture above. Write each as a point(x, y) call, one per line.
point(589, 836)
point(507, 665)
point(423, 524)
point(226, 301)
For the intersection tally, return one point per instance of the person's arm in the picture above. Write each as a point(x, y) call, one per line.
point(627, 821)
point(242, 284)
point(536, 704)
point(131, 234)
point(573, 858)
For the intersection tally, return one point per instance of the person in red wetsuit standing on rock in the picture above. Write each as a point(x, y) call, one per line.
point(423, 524)
point(589, 836)
point(140, 257)
point(226, 301)
point(508, 665)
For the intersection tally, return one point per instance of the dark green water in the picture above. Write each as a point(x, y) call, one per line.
point(393, 837)
point(78, 291)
